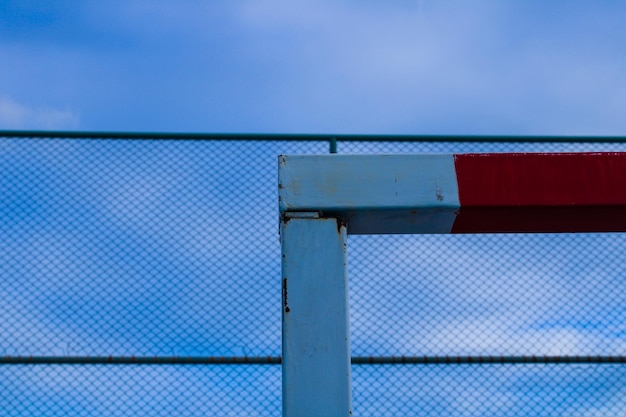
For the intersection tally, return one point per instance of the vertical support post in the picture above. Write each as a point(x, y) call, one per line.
point(333, 145)
point(316, 344)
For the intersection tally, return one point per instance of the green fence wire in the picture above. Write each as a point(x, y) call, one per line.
point(143, 249)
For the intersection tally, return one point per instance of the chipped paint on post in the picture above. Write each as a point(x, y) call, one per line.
point(316, 347)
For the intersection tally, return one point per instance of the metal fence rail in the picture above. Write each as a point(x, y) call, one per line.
point(158, 253)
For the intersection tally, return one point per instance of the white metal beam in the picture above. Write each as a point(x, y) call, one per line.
point(316, 347)
point(366, 182)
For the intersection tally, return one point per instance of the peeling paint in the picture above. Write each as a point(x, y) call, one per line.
point(285, 302)
point(438, 193)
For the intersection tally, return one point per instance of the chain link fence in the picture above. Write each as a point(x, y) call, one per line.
point(142, 277)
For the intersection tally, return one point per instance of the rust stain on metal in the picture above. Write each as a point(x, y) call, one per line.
point(341, 222)
point(285, 303)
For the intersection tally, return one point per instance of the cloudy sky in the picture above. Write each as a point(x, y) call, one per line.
point(342, 66)
point(121, 246)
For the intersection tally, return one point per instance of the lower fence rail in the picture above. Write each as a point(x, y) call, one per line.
point(277, 360)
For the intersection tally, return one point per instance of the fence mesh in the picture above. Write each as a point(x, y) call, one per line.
point(165, 248)
point(140, 390)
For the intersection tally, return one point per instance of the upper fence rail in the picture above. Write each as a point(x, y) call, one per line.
point(332, 139)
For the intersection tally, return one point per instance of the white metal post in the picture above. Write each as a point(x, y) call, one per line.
point(316, 346)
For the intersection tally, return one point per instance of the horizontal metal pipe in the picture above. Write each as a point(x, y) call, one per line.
point(276, 360)
point(302, 137)
point(140, 360)
point(478, 360)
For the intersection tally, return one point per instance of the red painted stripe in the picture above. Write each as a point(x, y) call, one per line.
point(541, 179)
point(540, 219)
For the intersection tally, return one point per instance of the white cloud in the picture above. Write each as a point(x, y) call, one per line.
point(14, 115)
point(487, 294)
point(615, 406)
point(340, 66)
point(495, 336)
point(448, 67)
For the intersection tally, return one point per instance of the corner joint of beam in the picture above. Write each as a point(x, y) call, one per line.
point(302, 215)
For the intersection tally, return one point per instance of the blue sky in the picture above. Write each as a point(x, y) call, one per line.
point(481, 67)
point(171, 248)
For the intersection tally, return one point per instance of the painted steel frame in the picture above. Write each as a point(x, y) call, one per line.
point(323, 197)
point(318, 195)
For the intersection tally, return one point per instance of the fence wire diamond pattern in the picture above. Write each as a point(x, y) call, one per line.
point(152, 248)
